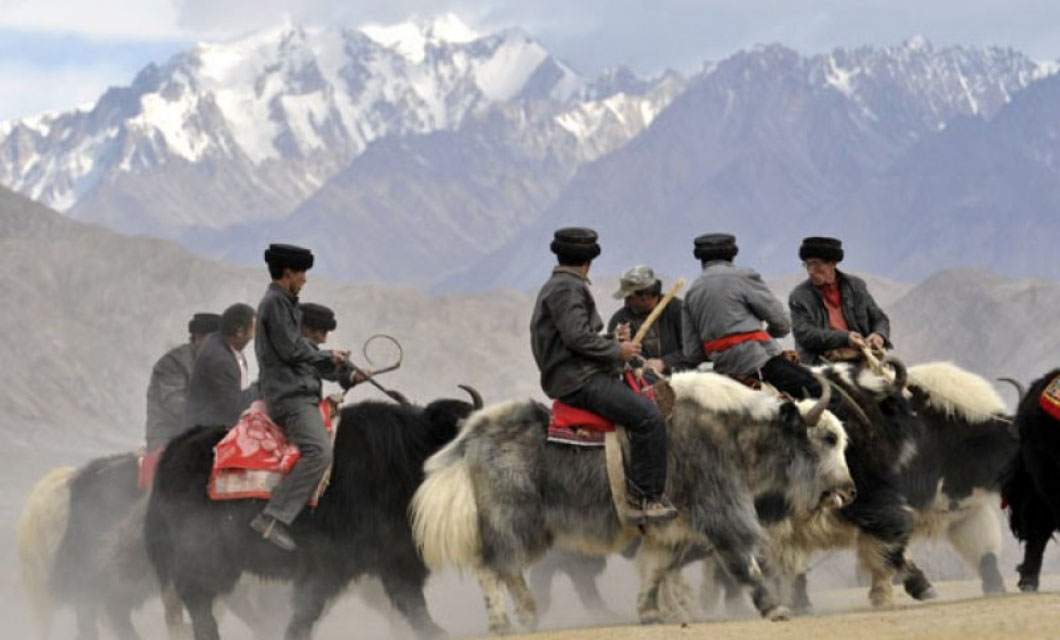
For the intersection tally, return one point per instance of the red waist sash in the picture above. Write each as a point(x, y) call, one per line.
point(733, 339)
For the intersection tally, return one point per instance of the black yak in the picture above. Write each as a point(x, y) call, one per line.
point(1031, 481)
point(360, 526)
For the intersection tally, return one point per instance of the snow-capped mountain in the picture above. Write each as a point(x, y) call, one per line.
point(268, 119)
point(430, 155)
point(773, 145)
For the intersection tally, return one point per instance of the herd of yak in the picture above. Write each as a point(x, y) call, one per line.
point(883, 457)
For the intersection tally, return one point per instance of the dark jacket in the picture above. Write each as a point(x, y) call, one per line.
point(565, 335)
point(214, 394)
point(663, 340)
point(289, 364)
point(166, 394)
point(809, 317)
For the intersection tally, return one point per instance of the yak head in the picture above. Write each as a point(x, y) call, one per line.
point(825, 478)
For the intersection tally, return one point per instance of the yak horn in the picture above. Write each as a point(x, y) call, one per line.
point(813, 416)
point(1020, 389)
point(901, 374)
point(476, 399)
point(847, 398)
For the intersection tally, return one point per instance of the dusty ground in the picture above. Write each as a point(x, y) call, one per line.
point(959, 614)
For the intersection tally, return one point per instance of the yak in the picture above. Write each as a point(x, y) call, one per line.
point(359, 527)
point(499, 496)
point(80, 543)
point(925, 453)
point(1031, 480)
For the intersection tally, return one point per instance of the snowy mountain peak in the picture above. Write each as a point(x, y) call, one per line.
point(410, 39)
point(917, 42)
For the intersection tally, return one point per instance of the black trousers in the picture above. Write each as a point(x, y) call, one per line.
point(793, 379)
point(614, 400)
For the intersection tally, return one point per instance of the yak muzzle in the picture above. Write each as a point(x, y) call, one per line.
point(839, 497)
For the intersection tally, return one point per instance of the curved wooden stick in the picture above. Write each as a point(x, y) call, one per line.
point(654, 315)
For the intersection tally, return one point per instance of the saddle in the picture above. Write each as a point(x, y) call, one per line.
point(1049, 400)
point(253, 457)
point(576, 427)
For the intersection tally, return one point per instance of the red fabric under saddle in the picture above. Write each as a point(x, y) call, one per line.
point(148, 464)
point(1050, 398)
point(254, 456)
point(579, 427)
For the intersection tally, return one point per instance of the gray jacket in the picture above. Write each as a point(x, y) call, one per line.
point(166, 394)
point(813, 336)
point(726, 299)
point(215, 396)
point(289, 365)
point(565, 335)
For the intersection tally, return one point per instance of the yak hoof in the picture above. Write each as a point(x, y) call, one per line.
point(1028, 585)
point(502, 628)
point(653, 617)
point(919, 588)
point(778, 613)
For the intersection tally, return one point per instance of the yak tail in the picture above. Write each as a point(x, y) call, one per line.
point(41, 529)
point(444, 512)
point(1020, 499)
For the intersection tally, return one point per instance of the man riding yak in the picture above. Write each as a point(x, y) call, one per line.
point(579, 366)
point(833, 313)
point(170, 376)
point(723, 315)
point(291, 368)
point(662, 347)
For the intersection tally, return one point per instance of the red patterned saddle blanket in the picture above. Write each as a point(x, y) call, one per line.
point(581, 428)
point(1050, 398)
point(254, 456)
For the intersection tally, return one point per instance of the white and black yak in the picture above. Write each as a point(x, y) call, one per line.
point(499, 496)
point(1031, 481)
point(925, 453)
point(359, 528)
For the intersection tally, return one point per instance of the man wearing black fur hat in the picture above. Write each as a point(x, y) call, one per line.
point(317, 322)
point(289, 377)
point(167, 392)
point(834, 314)
point(579, 366)
point(724, 313)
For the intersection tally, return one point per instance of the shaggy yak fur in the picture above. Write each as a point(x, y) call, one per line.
point(499, 496)
point(1031, 482)
point(360, 526)
point(925, 462)
point(81, 545)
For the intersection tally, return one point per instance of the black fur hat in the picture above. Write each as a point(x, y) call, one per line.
point(576, 243)
point(289, 256)
point(829, 249)
point(318, 317)
point(715, 246)
point(202, 323)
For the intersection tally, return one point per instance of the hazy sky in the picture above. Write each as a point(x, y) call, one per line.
point(55, 54)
